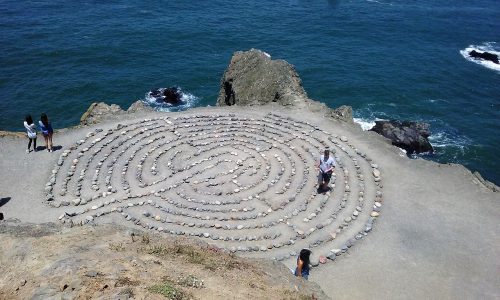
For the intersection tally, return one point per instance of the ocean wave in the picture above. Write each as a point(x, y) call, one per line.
point(437, 100)
point(187, 100)
point(490, 47)
point(379, 2)
point(364, 123)
point(367, 123)
point(444, 139)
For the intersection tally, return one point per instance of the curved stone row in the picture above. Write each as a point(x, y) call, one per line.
point(244, 184)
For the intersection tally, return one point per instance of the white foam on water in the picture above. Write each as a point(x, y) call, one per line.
point(437, 100)
point(442, 139)
point(379, 2)
point(188, 100)
point(364, 123)
point(490, 47)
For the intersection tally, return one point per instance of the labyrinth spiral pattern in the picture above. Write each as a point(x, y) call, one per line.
point(247, 185)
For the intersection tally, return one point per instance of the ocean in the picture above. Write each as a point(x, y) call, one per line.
point(388, 59)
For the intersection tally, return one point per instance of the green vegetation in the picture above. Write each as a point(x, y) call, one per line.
point(169, 291)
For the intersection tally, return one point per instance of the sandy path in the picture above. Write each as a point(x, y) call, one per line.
point(436, 236)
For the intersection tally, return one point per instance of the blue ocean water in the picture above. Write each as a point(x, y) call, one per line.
point(385, 58)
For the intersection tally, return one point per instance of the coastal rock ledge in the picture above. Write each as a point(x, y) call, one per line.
point(98, 111)
point(253, 78)
point(408, 135)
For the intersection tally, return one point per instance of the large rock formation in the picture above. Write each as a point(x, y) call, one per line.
point(253, 78)
point(408, 135)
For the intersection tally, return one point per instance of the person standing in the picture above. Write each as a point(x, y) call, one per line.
point(326, 167)
point(47, 131)
point(31, 131)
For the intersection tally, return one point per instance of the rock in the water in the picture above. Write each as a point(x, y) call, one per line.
point(252, 78)
point(411, 136)
point(171, 95)
point(484, 55)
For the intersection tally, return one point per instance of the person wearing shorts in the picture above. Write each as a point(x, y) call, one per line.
point(326, 167)
point(47, 131)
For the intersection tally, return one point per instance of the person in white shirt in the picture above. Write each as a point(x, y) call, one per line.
point(31, 131)
point(326, 167)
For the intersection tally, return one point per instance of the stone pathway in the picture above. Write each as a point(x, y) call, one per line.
point(243, 184)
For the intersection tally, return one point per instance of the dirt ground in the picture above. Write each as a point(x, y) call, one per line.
point(110, 262)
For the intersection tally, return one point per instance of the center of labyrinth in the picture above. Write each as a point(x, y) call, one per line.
point(247, 185)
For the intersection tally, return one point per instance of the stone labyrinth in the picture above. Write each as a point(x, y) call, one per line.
point(246, 185)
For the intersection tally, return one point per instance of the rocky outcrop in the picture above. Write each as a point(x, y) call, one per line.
point(139, 106)
point(484, 55)
point(99, 111)
point(490, 185)
point(253, 78)
point(408, 135)
point(343, 113)
point(171, 95)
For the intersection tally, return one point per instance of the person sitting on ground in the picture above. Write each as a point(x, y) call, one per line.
point(302, 269)
point(31, 131)
point(47, 131)
point(326, 167)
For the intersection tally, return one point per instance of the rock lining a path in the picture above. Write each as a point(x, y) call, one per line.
point(244, 184)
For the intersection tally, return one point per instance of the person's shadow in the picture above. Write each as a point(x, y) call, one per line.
point(55, 148)
point(3, 201)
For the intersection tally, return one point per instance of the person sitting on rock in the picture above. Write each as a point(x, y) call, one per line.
point(326, 167)
point(302, 269)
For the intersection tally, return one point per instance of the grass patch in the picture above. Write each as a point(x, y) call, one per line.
point(168, 290)
point(145, 239)
point(197, 255)
point(190, 281)
point(293, 295)
point(116, 247)
point(125, 281)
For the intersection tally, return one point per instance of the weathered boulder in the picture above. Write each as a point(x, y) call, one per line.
point(139, 106)
point(99, 111)
point(253, 78)
point(343, 113)
point(484, 55)
point(408, 135)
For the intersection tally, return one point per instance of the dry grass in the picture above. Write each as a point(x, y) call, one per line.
point(198, 256)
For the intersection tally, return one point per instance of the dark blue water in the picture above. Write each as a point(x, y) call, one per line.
point(387, 59)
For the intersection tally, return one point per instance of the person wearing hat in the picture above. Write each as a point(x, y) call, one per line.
point(326, 167)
